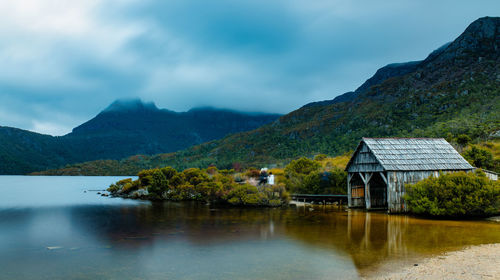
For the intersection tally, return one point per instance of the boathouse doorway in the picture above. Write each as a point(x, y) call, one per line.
point(378, 191)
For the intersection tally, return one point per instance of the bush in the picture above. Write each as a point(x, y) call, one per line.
point(198, 184)
point(158, 183)
point(463, 140)
point(253, 173)
point(337, 182)
point(118, 186)
point(479, 157)
point(242, 194)
point(168, 172)
point(455, 195)
point(304, 176)
point(302, 166)
point(320, 157)
point(131, 186)
point(195, 176)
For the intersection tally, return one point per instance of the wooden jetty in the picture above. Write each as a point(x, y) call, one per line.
point(320, 198)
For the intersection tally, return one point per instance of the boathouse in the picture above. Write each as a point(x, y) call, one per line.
point(380, 167)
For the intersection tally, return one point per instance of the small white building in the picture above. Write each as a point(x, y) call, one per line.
point(491, 175)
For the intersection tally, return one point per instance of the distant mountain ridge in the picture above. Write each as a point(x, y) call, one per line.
point(389, 71)
point(455, 90)
point(124, 128)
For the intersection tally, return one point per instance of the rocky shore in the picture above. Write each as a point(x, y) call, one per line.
point(475, 262)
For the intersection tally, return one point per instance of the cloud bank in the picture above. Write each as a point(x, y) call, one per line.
point(64, 61)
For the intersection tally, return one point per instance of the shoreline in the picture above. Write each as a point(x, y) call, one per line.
point(472, 262)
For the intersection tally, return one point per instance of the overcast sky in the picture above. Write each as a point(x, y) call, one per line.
point(64, 61)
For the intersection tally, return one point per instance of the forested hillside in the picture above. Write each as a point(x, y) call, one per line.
point(125, 128)
point(454, 91)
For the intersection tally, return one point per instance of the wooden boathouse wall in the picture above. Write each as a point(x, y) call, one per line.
point(380, 168)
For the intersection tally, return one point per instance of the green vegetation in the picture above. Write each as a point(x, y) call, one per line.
point(207, 185)
point(306, 176)
point(455, 195)
point(120, 132)
point(453, 95)
point(462, 108)
point(323, 175)
point(482, 158)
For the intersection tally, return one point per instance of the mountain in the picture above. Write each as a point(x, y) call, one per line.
point(125, 128)
point(131, 127)
point(455, 90)
point(22, 150)
point(389, 71)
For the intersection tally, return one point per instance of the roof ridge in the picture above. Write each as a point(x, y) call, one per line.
point(399, 138)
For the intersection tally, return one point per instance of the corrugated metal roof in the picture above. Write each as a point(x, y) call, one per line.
point(415, 154)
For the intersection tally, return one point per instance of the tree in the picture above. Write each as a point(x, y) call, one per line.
point(463, 140)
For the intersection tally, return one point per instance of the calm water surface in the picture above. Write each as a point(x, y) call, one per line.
point(94, 237)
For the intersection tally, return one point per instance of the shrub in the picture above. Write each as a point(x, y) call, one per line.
point(320, 157)
point(118, 186)
point(226, 171)
point(239, 178)
point(337, 182)
point(454, 194)
point(302, 166)
point(239, 194)
point(130, 186)
point(145, 178)
point(168, 172)
point(479, 157)
point(463, 140)
point(113, 188)
point(253, 173)
point(304, 176)
point(195, 176)
point(211, 170)
point(197, 184)
point(158, 183)
point(208, 191)
point(275, 202)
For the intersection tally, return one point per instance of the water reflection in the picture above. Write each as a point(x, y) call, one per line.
point(368, 239)
point(104, 238)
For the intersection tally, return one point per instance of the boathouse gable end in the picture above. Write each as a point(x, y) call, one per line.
point(380, 168)
point(364, 160)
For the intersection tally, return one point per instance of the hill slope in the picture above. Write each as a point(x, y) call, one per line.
point(123, 129)
point(455, 90)
point(131, 127)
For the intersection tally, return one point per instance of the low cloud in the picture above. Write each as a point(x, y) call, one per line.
point(63, 62)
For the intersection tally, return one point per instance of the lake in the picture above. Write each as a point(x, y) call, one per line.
point(60, 228)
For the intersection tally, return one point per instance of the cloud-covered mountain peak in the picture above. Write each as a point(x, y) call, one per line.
point(128, 105)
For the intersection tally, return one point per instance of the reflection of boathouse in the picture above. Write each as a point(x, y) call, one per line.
point(380, 168)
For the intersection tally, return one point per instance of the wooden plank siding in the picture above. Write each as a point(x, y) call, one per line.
point(396, 187)
point(381, 167)
point(365, 161)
